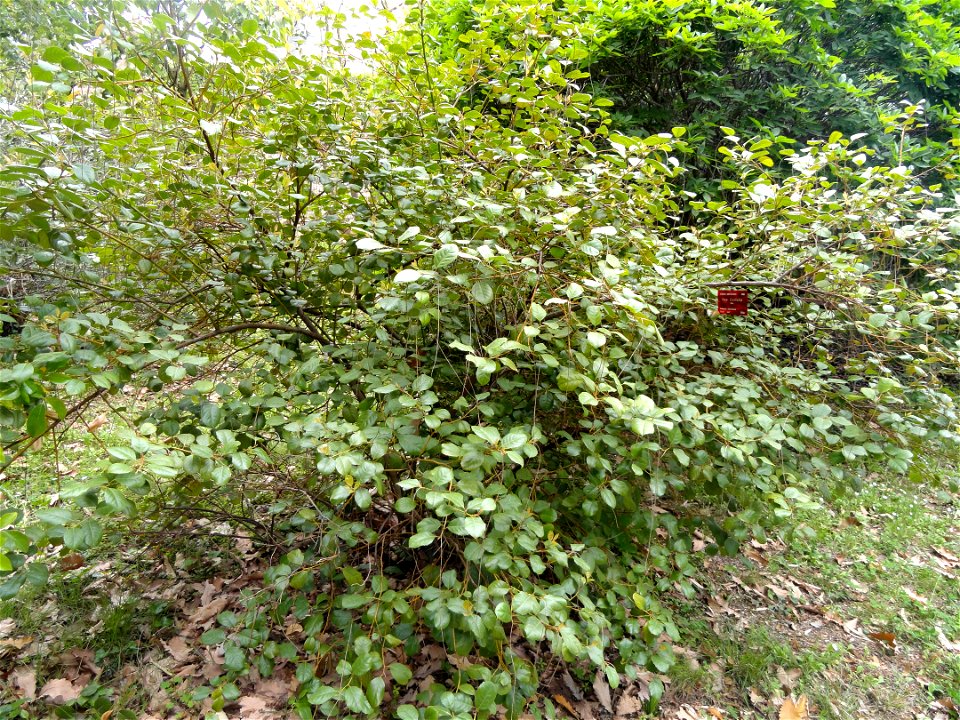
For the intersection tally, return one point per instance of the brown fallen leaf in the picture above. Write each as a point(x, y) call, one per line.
point(10, 644)
point(715, 712)
point(948, 556)
point(585, 711)
point(788, 678)
point(24, 679)
point(687, 712)
point(208, 611)
point(629, 705)
point(60, 691)
point(98, 422)
point(850, 626)
point(565, 704)
point(602, 689)
point(7, 626)
point(791, 710)
point(72, 561)
point(888, 639)
point(947, 644)
point(178, 648)
point(914, 596)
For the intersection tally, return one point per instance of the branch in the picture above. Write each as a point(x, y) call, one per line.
point(250, 326)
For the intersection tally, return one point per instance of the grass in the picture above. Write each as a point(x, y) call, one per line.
point(868, 563)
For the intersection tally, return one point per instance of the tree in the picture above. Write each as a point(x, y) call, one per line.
point(788, 69)
point(460, 368)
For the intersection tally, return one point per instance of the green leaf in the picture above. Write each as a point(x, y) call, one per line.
point(84, 173)
point(213, 636)
point(356, 701)
point(210, 414)
point(83, 536)
point(37, 420)
point(408, 275)
point(408, 712)
point(421, 539)
point(401, 673)
point(482, 292)
point(322, 694)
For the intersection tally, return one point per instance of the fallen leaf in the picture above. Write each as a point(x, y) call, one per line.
point(14, 643)
point(947, 644)
point(72, 561)
point(687, 712)
point(208, 611)
point(565, 704)
point(788, 678)
point(756, 698)
point(791, 710)
point(913, 596)
point(585, 711)
point(7, 626)
point(886, 638)
point(947, 555)
point(178, 648)
point(98, 422)
point(602, 689)
point(24, 679)
point(252, 707)
point(60, 691)
point(629, 705)
point(715, 712)
point(851, 626)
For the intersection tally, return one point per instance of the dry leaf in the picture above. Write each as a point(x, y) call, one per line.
point(72, 561)
point(791, 710)
point(887, 638)
point(585, 711)
point(629, 705)
point(687, 712)
point(602, 689)
point(98, 422)
point(14, 643)
point(715, 712)
point(851, 626)
point(7, 626)
point(60, 691)
point(947, 644)
point(757, 698)
point(788, 678)
point(913, 596)
point(178, 648)
point(24, 679)
point(948, 556)
point(208, 611)
point(565, 704)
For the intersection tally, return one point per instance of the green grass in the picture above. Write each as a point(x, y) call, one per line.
point(868, 551)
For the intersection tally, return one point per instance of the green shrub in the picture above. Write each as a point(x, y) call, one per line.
point(463, 368)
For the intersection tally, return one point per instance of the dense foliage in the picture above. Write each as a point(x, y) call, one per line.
point(791, 69)
point(444, 340)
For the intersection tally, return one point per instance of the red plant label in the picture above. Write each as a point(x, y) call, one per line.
point(732, 302)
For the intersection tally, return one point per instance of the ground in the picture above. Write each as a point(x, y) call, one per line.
point(854, 614)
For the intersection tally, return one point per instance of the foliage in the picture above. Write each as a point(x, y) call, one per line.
point(791, 68)
point(459, 368)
